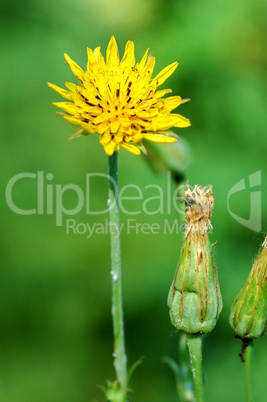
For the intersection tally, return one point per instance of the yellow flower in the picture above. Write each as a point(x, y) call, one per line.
point(120, 101)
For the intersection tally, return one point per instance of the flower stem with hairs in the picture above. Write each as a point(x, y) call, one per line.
point(186, 378)
point(120, 359)
point(248, 363)
point(194, 343)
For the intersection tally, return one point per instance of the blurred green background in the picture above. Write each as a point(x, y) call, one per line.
point(55, 288)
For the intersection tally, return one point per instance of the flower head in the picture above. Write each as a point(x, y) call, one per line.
point(120, 101)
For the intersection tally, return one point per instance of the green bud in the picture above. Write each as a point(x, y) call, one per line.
point(195, 299)
point(175, 157)
point(248, 316)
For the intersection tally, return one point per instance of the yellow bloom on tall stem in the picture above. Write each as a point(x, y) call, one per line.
point(120, 101)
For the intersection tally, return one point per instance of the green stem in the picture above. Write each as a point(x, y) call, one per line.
point(194, 343)
point(120, 359)
point(248, 363)
point(186, 380)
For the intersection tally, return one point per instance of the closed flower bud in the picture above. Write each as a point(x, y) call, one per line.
point(248, 316)
point(194, 299)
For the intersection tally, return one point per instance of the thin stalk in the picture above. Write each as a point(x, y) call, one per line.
point(120, 358)
point(186, 385)
point(248, 364)
point(194, 343)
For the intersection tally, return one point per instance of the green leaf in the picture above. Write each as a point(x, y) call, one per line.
point(134, 367)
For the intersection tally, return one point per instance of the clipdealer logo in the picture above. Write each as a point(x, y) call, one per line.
point(254, 222)
point(50, 198)
point(131, 226)
point(150, 200)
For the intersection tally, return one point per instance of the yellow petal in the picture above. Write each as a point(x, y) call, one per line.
point(60, 91)
point(91, 59)
point(102, 117)
point(125, 121)
point(171, 103)
point(147, 114)
point(114, 126)
point(110, 148)
point(72, 87)
point(148, 69)
point(143, 61)
point(166, 122)
point(159, 138)
point(76, 122)
point(143, 124)
point(182, 121)
point(127, 130)
point(77, 71)
point(119, 135)
point(72, 120)
point(102, 127)
point(112, 55)
point(135, 138)
point(161, 93)
point(164, 74)
point(105, 138)
point(97, 53)
point(128, 59)
point(89, 128)
point(67, 107)
point(132, 148)
point(99, 58)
